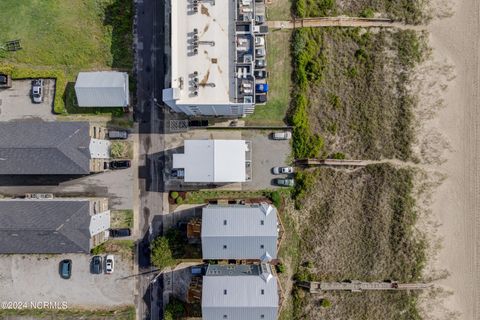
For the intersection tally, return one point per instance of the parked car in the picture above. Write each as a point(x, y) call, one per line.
point(282, 170)
point(260, 52)
point(285, 182)
point(119, 164)
point(65, 268)
point(259, 41)
point(37, 90)
point(261, 87)
point(260, 98)
point(260, 74)
point(5, 81)
point(109, 264)
point(96, 266)
point(285, 135)
point(122, 232)
point(261, 29)
point(260, 63)
point(117, 134)
point(259, 19)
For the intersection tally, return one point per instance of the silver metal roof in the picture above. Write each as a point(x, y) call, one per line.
point(239, 296)
point(239, 232)
point(102, 89)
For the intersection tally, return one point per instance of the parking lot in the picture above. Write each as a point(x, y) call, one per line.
point(16, 102)
point(266, 154)
point(29, 278)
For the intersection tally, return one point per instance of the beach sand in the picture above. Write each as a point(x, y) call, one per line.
point(456, 203)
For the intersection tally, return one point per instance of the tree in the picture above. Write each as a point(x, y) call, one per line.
point(161, 255)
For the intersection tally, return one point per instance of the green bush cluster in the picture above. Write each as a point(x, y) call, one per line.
point(174, 310)
point(161, 255)
point(174, 195)
point(309, 66)
point(276, 198)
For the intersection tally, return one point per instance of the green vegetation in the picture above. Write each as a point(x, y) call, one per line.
point(179, 246)
point(198, 197)
point(352, 90)
point(279, 81)
point(360, 226)
point(174, 195)
point(121, 150)
point(409, 11)
point(120, 313)
point(121, 219)
point(326, 303)
point(161, 254)
point(61, 38)
point(125, 248)
point(175, 309)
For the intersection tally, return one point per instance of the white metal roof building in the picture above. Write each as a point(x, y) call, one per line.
point(212, 58)
point(239, 232)
point(210, 161)
point(102, 89)
point(239, 292)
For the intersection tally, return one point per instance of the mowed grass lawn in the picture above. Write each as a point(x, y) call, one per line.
point(66, 37)
point(279, 67)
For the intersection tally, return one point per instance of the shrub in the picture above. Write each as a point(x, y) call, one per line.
point(161, 255)
point(367, 13)
point(175, 309)
point(276, 199)
point(338, 156)
point(179, 200)
point(325, 303)
point(281, 268)
point(301, 8)
point(174, 195)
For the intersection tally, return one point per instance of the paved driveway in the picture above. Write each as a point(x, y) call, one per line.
point(16, 102)
point(266, 154)
point(27, 278)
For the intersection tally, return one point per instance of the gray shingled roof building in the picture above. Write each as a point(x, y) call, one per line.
point(46, 226)
point(239, 232)
point(239, 292)
point(44, 148)
point(102, 89)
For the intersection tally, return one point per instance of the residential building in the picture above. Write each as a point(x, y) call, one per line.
point(102, 89)
point(239, 232)
point(213, 57)
point(52, 148)
point(239, 292)
point(62, 225)
point(214, 161)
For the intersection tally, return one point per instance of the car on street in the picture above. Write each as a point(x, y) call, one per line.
point(260, 52)
point(260, 98)
point(37, 90)
point(5, 81)
point(121, 232)
point(119, 164)
point(282, 170)
point(259, 41)
point(109, 264)
point(260, 63)
point(97, 265)
point(261, 87)
point(285, 135)
point(65, 268)
point(285, 182)
point(117, 134)
point(259, 19)
point(260, 74)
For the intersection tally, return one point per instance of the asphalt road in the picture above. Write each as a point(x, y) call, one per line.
point(149, 117)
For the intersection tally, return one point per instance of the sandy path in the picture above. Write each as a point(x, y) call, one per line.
point(456, 202)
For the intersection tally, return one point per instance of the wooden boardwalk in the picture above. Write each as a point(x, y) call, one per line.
point(357, 286)
point(332, 22)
